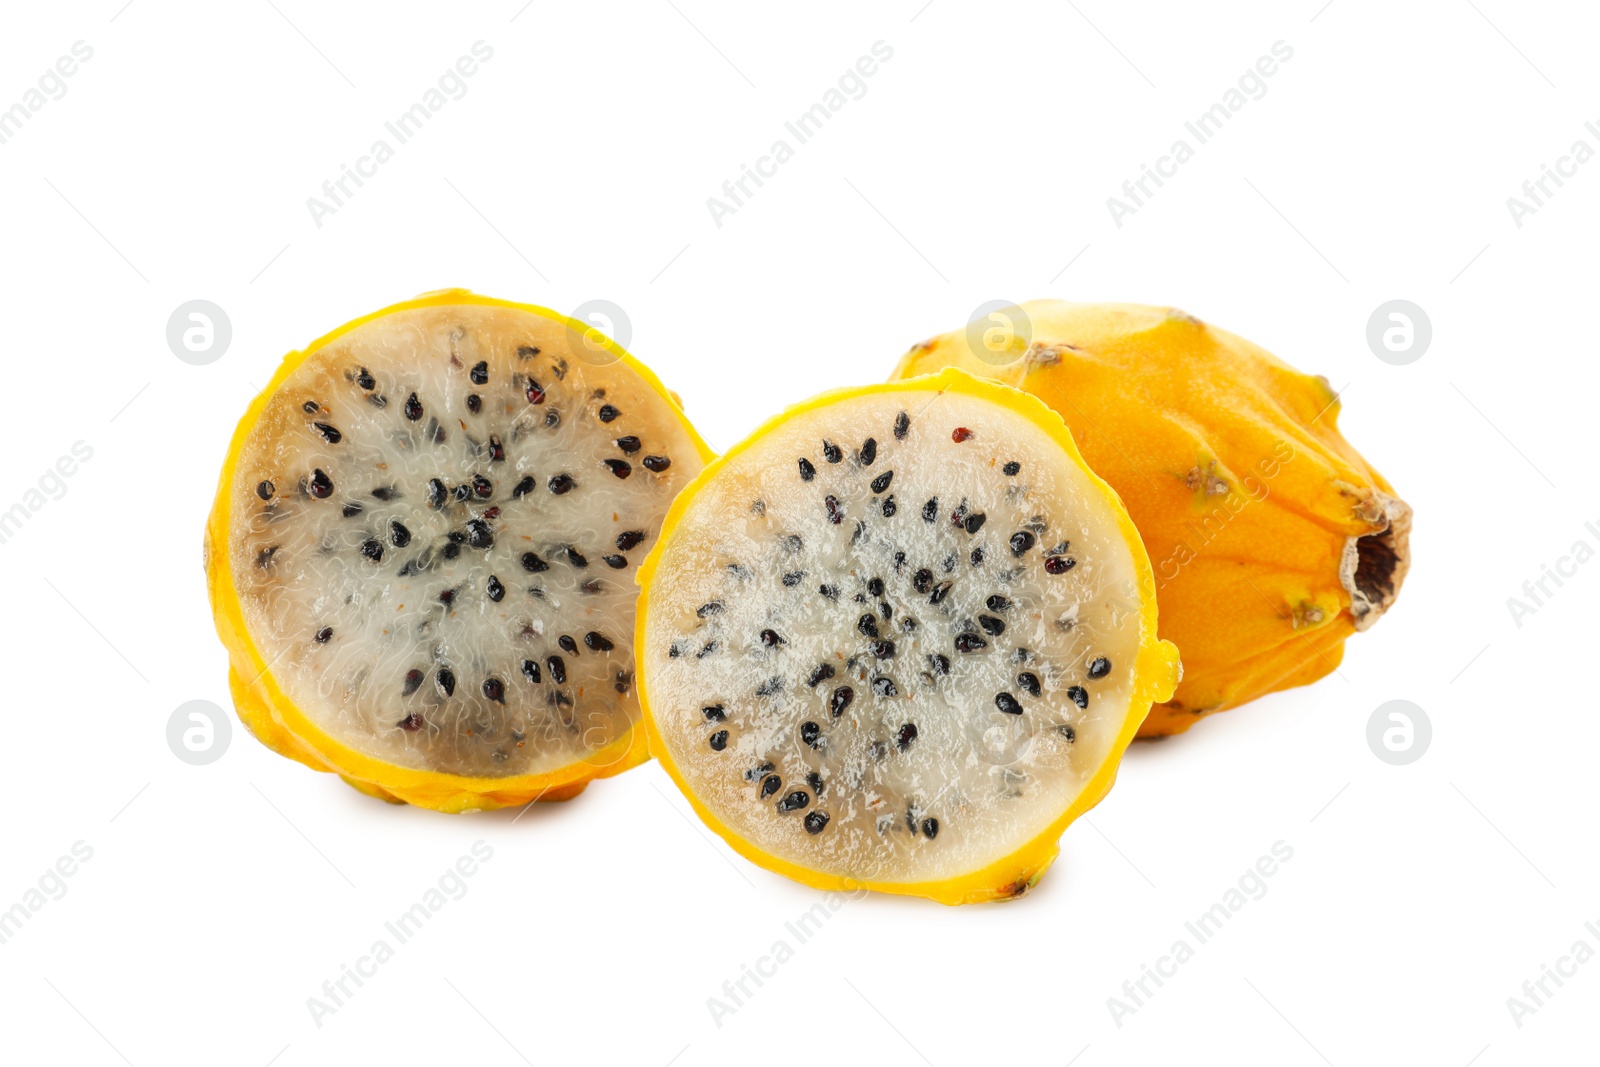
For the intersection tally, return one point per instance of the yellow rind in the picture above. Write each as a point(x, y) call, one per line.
point(274, 719)
point(1156, 670)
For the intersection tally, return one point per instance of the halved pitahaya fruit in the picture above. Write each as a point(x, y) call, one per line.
point(899, 638)
point(421, 553)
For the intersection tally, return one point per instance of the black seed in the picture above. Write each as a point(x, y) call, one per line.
point(413, 407)
point(620, 467)
point(998, 603)
point(596, 641)
point(321, 485)
point(558, 668)
point(868, 625)
point(714, 713)
point(494, 689)
point(412, 683)
point(793, 578)
point(656, 464)
point(399, 536)
point(970, 643)
point(769, 687)
point(949, 563)
point(324, 635)
point(378, 400)
point(482, 486)
point(794, 801)
point(884, 686)
point(823, 672)
point(1066, 731)
point(1079, 695)
point(930, 827)
point(940, 591)
point(883, 649)
point(567, 644)
point(674, 650)
point(1099, 667)
point(497, 451)
point(436, 493)
point(868, 453)
point(907, 734)
point(974, 522)
point(922, 581)
point(816, 822)
point(329, 434)
point(810, 733)
point(628, 444)
point(706, 650)
point(533, 564)
point(770, 785)
point(616, 563)
point(529, 351)
point(474, 403)
point(351, 510)
point(450, 551)
point(534, 392)
point(310, 407)
point(771, 639)
point(835, 514)
point(480, 372)
point(889, 507)
point(496, 590)
point(523, 488)
point(1059, 564)
point(447, 596)
point(365, 379)
point(840, 700)
point(875, 586)
point(831, 452)
point(1011, 468)
point(739, 571)
point(1029, 683)
point(530, 670)
point(462, 492)
point(576, 558)
point(446, 680)
point(757, 771)
point(607, 413)
point(561, 484)
point(373, 550)
point(829, 591)
point(1007, 703)
point(992, 626)
point(939, 663)
point(710, 607)
point(930, 510)
point(885, 610)
point(1021, 541)
point(479, 535)
point(881, 482)
point(908, 624)
point(977, 556)
point(718, 741)
point(385, 493)
point(264, 490)
point(807, 471)
point(902, 424)
point(876, 751)
point(629, 539)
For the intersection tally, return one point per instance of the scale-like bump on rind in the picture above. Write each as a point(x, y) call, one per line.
point(947, 775)
point(392, 547)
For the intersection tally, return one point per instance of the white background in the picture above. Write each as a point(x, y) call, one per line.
point(977, 166)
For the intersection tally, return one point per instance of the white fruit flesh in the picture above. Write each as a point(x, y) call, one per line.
point(758, 542)
point(346, 594)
